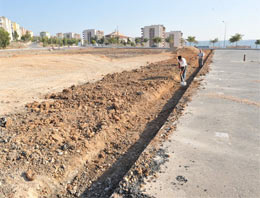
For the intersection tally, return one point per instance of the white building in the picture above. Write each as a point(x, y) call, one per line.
point(152, 31)
point(71, 35)
point(91, 33)
point(45, 34)
point(176, 37)
point(59, 35)
point(7, 25)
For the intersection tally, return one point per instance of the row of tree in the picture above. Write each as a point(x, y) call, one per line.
point(55, 41)
point(5, 40)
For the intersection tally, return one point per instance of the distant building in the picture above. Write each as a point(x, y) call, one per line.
point(91, 33)
point(59, 35)
point(22, 30)
point(16, 28)
point(152, 31)
point(177, 38)
point(30, 32)
point(45, 34)
point(71, 35)
point(77, 36)
point(118, 35)
point(6, 24)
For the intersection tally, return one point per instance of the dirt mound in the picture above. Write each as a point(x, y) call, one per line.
point(82, 131)
point(187, 50)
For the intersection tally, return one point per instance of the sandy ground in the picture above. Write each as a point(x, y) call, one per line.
point(26, 78)
point(66, 146)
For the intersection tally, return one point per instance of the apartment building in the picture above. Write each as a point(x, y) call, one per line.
point(152, 31)
point(16, 28)
point(176, 37)
point(77, 36)
point(45, 34)
point(91, 33)
point(6, 24)
point(59, 35)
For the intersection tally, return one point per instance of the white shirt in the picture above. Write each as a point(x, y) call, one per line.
point(182, 62)
point(201, 54)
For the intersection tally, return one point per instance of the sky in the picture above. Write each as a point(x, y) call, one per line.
point(200, 18)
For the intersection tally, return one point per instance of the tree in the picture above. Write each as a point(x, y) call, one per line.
point(157, 40)
point(65, 41)
point(234, 39)
point(170, 40)
point(15, 36)
point(191, 39)
point(93, 42)
point(101, 41)
point(137, 40)
point(112, 40)
point(214, 41)
point(257, 42)
point(26, 37)
point(4, 38)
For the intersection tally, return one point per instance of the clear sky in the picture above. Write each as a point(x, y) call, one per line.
point(200, 18)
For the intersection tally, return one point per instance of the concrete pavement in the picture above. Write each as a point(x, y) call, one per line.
point(215, 150)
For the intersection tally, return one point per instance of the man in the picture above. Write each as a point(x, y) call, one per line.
point(200, 55)
point(182, 66)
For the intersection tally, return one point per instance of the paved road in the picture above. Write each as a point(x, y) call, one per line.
point(215, 150)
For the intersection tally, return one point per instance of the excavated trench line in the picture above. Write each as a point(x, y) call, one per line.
point(104, 187)
point(76, 166)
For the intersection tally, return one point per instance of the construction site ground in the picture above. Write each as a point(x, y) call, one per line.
point(78, 120)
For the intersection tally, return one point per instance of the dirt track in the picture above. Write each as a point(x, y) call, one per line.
point(70, 141)
point(26, 76)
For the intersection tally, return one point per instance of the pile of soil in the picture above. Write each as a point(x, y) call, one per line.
point(61, 146)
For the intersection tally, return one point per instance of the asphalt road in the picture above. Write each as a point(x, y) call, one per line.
point(215, 150)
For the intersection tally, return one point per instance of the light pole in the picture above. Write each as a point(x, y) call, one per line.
point(225, 34)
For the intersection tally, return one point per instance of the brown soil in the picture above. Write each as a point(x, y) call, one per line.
point(59, 147)
point(26, 76)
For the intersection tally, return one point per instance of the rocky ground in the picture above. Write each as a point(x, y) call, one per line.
point(83, 140)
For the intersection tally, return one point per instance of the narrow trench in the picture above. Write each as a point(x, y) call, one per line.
point(103, 187)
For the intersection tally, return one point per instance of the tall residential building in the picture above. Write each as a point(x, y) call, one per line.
point(152, 31)
point(45, 34)
point(177, 38)
point(7, 25)
point(91, 33)
point(16, 28)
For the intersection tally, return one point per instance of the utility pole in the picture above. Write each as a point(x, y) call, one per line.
point(225, 34)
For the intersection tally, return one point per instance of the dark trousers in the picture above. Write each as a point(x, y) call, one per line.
point(200, 62)
point(183, 73)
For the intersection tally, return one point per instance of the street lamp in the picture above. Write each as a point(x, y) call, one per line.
point(225, 34)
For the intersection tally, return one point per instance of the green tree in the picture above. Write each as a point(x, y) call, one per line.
point(137, 40)
point(93, 42)
point(234, 39)
point(191, 39)
point(101, 41)
point(170, 40)
point(157, 40)
point(214, 41)
point(27, 37)
point(257, 42)
point(15, 36)
point(132, 44)
point(128, 41)
point(4, 38)
point(112, 40)
point(65, 41)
